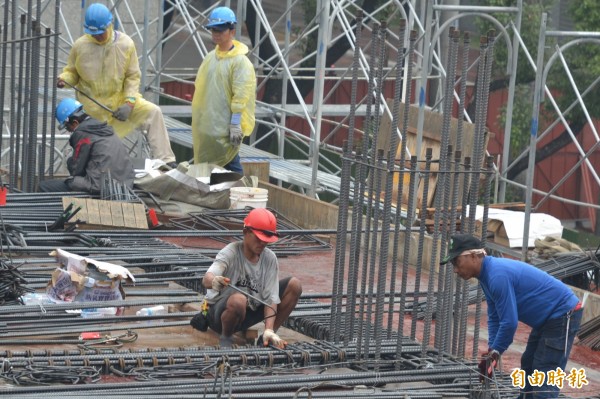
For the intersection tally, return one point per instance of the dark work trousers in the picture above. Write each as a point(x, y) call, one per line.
point(252, 316)
point(545, 352)
point(235, 165)
point(54, 186)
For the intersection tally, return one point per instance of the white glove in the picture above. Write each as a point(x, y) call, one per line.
point(219, 282)
point(122, 113)
point(235, 130)
point(270, 336)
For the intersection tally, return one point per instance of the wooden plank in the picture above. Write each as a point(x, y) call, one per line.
point(259, 169)
point(77, 202)
point(94, 212)
point(511, 206)
point(141, 222)
point(432, 129)
point(307, 212)
point(128, 215)
point(117, 213)
point(105, 213)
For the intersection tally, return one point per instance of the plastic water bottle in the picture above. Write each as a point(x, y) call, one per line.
point(98, 312)
point(152, 311)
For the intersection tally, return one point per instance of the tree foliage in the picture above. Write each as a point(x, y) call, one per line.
point(583, 61)
point(529, 32)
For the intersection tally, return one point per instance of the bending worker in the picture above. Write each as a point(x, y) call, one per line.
point(96, 150)
point(224, 97)
point(516, 291)
point(251, 267)
point(103, 64)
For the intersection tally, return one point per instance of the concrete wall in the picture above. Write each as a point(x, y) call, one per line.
point(591, 306)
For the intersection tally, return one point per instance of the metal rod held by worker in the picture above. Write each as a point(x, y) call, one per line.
point(90, 97)
point(252, 297)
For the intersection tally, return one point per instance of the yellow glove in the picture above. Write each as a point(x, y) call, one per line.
point(270, 336)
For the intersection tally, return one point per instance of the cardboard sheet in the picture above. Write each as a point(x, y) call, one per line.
point(507, 226)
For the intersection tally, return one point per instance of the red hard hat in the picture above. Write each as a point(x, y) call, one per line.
point(263, 223)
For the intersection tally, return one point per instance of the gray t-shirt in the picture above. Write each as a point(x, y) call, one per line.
point(260, 279)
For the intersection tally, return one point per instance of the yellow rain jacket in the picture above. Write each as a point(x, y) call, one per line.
point(108, 72)
point(225, 85)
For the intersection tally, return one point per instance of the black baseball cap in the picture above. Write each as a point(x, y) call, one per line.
point(460, 243)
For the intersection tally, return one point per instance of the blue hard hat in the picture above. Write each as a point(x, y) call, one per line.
point(221, 16)
point(65, 109)
point(97, 18)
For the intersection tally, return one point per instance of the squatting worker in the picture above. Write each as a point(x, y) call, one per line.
point(103, 64)
point(251, 267)
point(516, 291)
point(96, 150)
point(224, 97)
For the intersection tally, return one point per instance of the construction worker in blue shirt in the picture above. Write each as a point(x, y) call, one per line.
point(516, 291)
point(225, 95)
point(103, 64)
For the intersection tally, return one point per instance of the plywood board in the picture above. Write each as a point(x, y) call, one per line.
point(82, 214)
point(95, 213)
point(116, 211)
point(141, 222)
point(128, 215)
point(432, 137)
point(105, 213)
point(259, 169)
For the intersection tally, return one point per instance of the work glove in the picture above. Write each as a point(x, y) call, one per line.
point(270, 336)
point(235, 130)
point(122, 113)
point(220, 282)
point(487, 364)
point(60, 83)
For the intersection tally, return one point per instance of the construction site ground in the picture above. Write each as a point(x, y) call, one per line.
point(315, 271)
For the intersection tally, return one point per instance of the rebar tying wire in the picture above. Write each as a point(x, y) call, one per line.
point(108, 342)
point(37, 374)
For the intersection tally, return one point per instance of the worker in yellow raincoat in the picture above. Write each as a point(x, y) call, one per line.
point(103, 64)
point(224, 97)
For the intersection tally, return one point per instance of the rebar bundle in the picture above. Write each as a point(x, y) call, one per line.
point(445, 177)
point(12, 284)
point(589, 334)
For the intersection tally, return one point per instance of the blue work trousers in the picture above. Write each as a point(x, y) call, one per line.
point(545, 352)
point(235, 165)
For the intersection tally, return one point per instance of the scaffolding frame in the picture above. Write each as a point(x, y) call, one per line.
point(332, 22)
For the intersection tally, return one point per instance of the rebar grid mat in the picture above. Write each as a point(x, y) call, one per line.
point(242, 370)
point(233, 219)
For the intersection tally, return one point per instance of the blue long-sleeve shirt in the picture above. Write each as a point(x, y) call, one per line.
point(516, 291)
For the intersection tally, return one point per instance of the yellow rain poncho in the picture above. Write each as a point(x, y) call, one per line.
point(109, 72)
point(225, 85)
